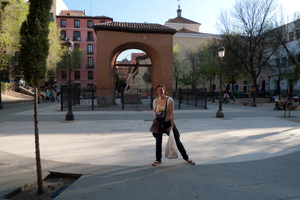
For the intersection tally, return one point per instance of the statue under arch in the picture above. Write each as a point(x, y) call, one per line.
point(133, 82)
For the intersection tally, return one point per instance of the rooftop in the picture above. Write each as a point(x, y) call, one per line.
point(134, 27)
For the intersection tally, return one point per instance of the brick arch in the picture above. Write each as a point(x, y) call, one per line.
point(156, 40)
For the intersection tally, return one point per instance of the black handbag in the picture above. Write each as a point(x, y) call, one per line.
point(158, 122)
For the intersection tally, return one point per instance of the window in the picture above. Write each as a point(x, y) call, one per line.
point(76, 24)
point(63, 74)
point(291, 36)
point(76, 45)
point(63, 23)
point(90, 48)
point(90, 75)
point(77, 36)
point(90, 36)
point(90, 24)
point(236, 87)
point(51, 17)
point(228, 87)
point(63, 35)
point(90, 62)
point(77, 75)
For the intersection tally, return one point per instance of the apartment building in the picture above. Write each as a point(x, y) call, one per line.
point(280, 63)
point(79, 28)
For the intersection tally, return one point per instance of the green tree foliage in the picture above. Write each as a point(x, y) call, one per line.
point(12, 14)
point(77, 58)
point(56, 52)
point(199, 67)
point(177, 65)
point(33, 60)
point(147, 75)
point(35, 43)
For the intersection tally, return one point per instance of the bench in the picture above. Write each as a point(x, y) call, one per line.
point(293, 107)
point(296, 100)
point(246, 103)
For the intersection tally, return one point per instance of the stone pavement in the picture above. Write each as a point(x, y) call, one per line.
point(252, 153)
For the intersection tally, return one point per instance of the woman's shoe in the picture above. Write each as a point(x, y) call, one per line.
point(156, 163)
point(190, 162)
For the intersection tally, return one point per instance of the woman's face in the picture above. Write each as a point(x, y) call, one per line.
point(160, 91)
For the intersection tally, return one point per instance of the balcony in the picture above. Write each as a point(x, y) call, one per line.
point(76, 38)
point(90, 39)
point(90, 66)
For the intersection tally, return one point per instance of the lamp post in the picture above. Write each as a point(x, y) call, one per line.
point(213, 77)
point(221, 54)
point(69, 45)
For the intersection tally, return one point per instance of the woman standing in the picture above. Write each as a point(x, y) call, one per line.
point(159, 106)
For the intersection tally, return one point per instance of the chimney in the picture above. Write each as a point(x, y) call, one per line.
point(179, 12)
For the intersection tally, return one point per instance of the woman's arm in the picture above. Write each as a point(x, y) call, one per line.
point(154, 112)
point(154, 108)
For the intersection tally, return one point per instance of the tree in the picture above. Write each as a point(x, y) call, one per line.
point(77, 57)
point(248, 34)
point(56, 51)
point(147, 75)
point(200, 68)
point(12, 14)
point(232, 69)
point(33, 60)
point(177, 65)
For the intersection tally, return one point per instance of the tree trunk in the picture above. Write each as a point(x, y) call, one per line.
point(232, 86)
point(254, 91)
point(37, 144)
point(278, 87)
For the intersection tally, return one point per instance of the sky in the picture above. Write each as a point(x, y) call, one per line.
point(160, 11)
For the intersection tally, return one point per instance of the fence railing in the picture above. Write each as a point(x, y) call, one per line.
point(100, 99)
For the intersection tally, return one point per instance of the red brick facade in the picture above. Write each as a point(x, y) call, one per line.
point(80, 30)
point(113, 38)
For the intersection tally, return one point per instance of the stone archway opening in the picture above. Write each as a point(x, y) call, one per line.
point(138, 63)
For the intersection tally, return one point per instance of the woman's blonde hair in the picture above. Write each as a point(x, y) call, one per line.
point(161, 85)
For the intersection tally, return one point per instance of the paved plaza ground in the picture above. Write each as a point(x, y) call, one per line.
point(252, 153)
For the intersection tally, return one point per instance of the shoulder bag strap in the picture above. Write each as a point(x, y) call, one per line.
point(166, 107)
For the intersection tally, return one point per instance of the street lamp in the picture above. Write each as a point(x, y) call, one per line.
point(221, 54)
point(69, 45)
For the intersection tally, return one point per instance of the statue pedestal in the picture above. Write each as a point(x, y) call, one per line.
point(133, 99)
